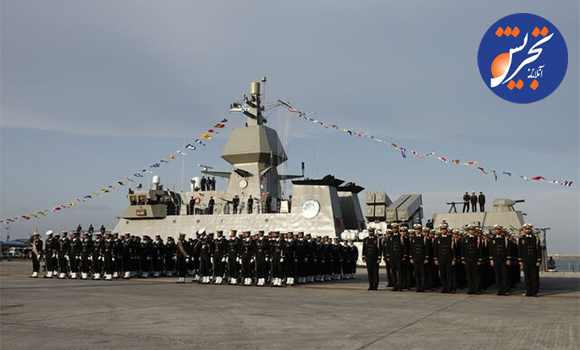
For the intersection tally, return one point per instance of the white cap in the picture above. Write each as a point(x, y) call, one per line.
point(201, 230)
point(49, 232)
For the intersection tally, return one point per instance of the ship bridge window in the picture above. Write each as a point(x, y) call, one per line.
point(133, 200)
point(142, 200)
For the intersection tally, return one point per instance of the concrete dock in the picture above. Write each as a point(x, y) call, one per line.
point(160, 314)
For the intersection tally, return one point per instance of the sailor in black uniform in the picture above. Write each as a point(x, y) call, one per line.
point(233, 257)
point(86, 255)
point(471, 257)
point(205, 251)
point(127, 256)
point(64, 255)
point(158, 256)
point(170, 250)
point(396, 254)
point(98, 256)
point(108, 251)
point(500, 259)
point(36, 254)
point(530, 259)
point(247, 255)
point(75, 255)
point(419, 248)
point(146, 256)
point(444, 248)
point(182, 258)
point(220, 251)
point(50, 247)
point(262, 257)
point(371, 255)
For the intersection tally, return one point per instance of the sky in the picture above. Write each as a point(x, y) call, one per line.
point(92, 92)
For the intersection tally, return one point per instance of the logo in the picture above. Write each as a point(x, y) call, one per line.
point(522, 58)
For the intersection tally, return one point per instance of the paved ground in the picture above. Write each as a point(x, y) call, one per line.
point(159, 314)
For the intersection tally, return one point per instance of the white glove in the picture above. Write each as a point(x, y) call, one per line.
point(90, 258)
point(54, 255)
point(66, 257)
point(305, 259)
point(252, 261)
point(186, 260)
point(113, 259)
point(281, 259)
point(224, 259)
point(239, 260)
point(211, 259)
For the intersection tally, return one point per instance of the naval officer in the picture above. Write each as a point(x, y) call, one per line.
point(371, 255)
point(36, 254)
point(530, 259)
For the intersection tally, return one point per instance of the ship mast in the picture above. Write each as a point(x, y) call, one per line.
point(251, 106)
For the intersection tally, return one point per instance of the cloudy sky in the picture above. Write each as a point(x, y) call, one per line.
point(92, 92)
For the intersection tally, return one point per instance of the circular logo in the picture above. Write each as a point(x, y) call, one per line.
point(310, 208)
point(522, 58)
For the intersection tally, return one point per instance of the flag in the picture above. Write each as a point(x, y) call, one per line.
point(348, 131)
point(206, 136)
point(190, 146)
point(89, 197)
point(219, 126)
point(524, 177)
point(538, 178)
point(456, 161)
point(507, 173)
point(137, 175)
point(482, 170)
point(181, 152)
point(494, 174)
point(403, 152)
point(199, 141)
point(430, 154)
point(394, 145)
point(416, 154)
point(120, 183)
point(225, 120)
point(444, 160)
point(129, 179)
point(471, 163)
point(171, 156)
point(156, 165)
point(210, 130)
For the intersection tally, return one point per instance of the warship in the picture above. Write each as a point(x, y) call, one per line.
point(325, 206)
point(322, 207)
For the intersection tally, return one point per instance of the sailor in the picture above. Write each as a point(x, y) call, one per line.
point(182, 258)
point(277, 260)
point(419, 257)
point(136, 256)
point(127, 254)
point(118, 255)
point(236, 203)
point(210, 205)
point(158, 255)
point(481, 200)
point(353, 253)
point(301, 248)
point(192, 248)
point(262, 257)
point(310, 263)
point(395, 256)
point(458, 278)
point(98, 256)
point(317, 253)
point(205, 253)
point(170, 250)
point(247, 254)
point(220, 251)
point(336, 252)
point(203, 183)
point(466, 199)
point(86, 255)
point(79, 229)
point(471, 257)
point(388, 267)
point(36, 254)
point(146, 256)
point(473, 200)
point(250, 204)
point(191, 207)
point(344, 259)
point(328, 258)
point(64, 255)
point(444, 248)
point(372, 256)
point(407, 271)
point(108, 251)
point(500, 259)
point(530, 259)
point(91, 229)
point(233, 256)
point(49, 253)
point(102, 229)
point(75, 254)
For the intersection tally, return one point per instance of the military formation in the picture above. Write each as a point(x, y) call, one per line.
point(274, 258)
point(427, 259)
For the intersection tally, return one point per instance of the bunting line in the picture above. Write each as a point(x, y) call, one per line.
point(125, 181)
point(418, 155)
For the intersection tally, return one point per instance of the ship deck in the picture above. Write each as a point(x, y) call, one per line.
point(157, 313)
